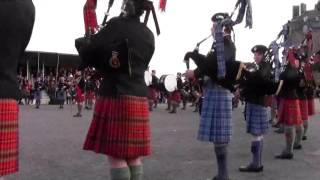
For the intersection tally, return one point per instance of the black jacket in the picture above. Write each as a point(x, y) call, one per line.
point(16, 24)
point(291, 80)
point(256, 84)
point(207, 65)
point(119, 35)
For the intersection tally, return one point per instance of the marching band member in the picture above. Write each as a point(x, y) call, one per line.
point(153, 91)
point(89, 91)
point(290, 114)
point(175, 96)
point(79, 88)
point(38, 87)
point(303, 101)
point(216, 115)
point(16, 25)
point(256, 85)
point(120, 127)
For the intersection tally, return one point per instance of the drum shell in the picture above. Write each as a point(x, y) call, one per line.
point(167, 84)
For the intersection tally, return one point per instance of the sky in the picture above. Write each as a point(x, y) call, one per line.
point(185, 22)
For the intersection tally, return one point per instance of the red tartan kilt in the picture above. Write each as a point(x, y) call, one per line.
point(175, 96)
point(290, 113)
point(120, 127)
point(311, 107)
point(79, 98)
point(9, 142)
point(90, 95)
point(152, 94)
point(304, 109)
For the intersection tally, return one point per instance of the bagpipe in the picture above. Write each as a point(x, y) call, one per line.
point(120, 49)
point(90, 17)
point(226, 71)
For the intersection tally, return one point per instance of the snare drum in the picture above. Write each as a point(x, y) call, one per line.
point(168, 83)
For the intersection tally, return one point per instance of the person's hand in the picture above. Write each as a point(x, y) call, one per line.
point(190, 74)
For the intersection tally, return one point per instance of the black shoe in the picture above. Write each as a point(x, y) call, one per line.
point(297, 147)
point(277, 125)
point(304, 138)
point(173, 112)
point(284, 156)
point(279, 131)
point(217, 178)
point(77, 115)
point(250, 168)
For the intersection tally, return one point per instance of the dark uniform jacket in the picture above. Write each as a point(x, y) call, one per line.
point(120, 34)
point(16, 24)
point(207, 65)
point(291, 80)
point(258, 83)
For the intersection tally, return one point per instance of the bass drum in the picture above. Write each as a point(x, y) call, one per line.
point(168, 83)
point(147, 78)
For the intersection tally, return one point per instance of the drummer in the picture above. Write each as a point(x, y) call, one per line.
point(153, 91)
point(175, 96)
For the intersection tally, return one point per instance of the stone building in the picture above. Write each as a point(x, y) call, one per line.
point(303, 20)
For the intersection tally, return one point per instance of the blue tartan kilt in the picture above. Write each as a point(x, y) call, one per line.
point(257, 119)
point(37, 94)
point(216, 116)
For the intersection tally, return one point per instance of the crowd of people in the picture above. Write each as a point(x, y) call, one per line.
point(60, 89)
point(121, 52)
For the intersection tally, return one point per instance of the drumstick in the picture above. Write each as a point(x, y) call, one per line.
point(279, 87)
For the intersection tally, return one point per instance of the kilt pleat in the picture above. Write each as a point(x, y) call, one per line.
point(175, 96)
point(290, 114)
point(304, 109)
point(9, 134)
point(311, 107)
point(257, 119)
point(216, 113)
point(152, 94)
point(120, 127)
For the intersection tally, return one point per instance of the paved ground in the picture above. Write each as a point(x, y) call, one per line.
point(51, 149)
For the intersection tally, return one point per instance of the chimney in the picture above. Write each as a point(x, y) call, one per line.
point(295, 12)
point(303, 8)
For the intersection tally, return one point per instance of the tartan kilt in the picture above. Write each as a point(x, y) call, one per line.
point(120, 127)
point(152, 94)
point(90, 95)
point(175, 96)
point(290, 114)
point(311, 107)
point(257, 119)
point(79, 98)
point(216, 116)
point(9, 137)
point(304, 109)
